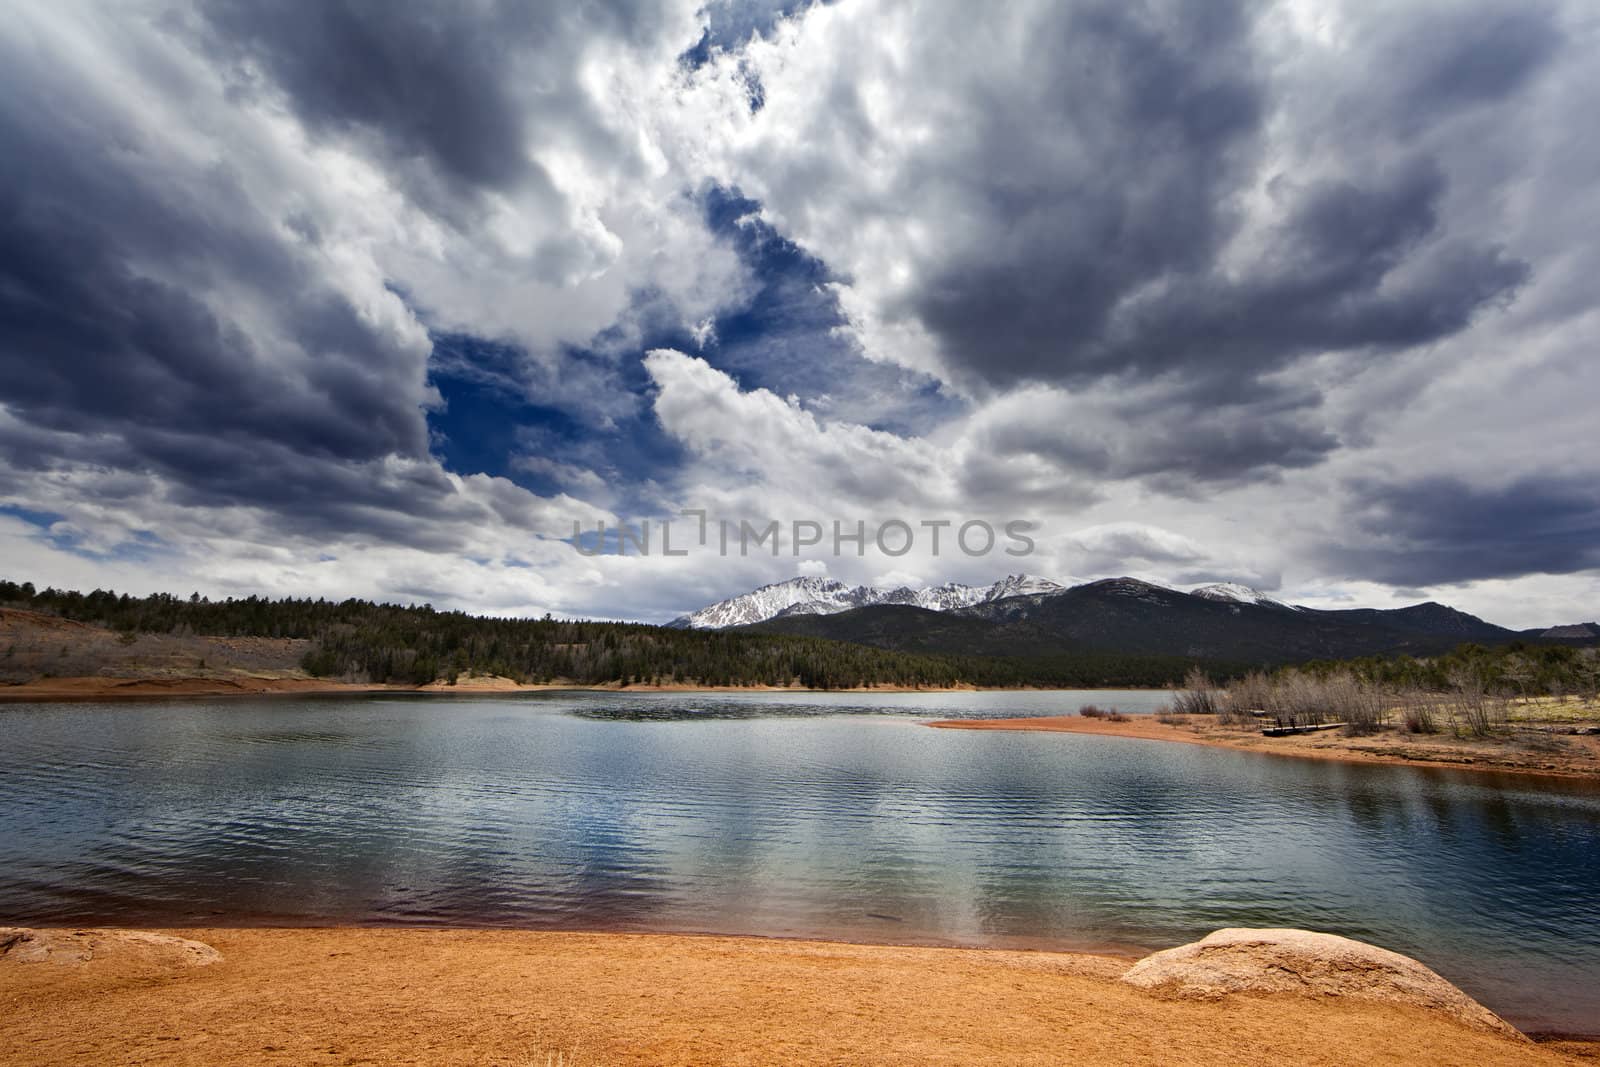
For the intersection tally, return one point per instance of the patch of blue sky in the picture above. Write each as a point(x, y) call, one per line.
point(731, 23)
point(140, 546)
point(790, 338)
point(786, 338)
point(43, 519)
point(490, 425)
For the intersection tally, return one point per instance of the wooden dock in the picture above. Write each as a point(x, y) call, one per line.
point(1290, 731)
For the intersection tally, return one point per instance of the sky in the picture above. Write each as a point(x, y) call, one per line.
point(403, 301)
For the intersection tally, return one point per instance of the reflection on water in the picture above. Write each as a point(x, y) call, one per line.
point(786, 814)
point(670, 707)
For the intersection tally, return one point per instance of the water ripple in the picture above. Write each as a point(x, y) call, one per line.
point(786, 814)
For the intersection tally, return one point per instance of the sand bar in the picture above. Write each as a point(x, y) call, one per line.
point(1577, 758)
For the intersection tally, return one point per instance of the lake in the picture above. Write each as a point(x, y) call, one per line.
point(807, 815)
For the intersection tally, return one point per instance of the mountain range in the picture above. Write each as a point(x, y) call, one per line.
point(1022, 615)
point(826, 596)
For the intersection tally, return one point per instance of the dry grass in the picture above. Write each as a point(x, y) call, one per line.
point(1468, 708)
point(33, 645)
point(1550, 709)
point(1094, 711)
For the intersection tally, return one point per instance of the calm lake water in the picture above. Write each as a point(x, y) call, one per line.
point(812, 815)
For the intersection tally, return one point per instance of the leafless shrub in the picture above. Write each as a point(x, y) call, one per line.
point(1417, 707)
point(1116, 716)
point(1417, 713)
point(1092, 711)
point(1474, 710)
point(1469, 708)
point(1520, 672)
point(1198, 695)
point(1586, 665)
point(1361, 705)
point(1296, 699)
point(1245, 696)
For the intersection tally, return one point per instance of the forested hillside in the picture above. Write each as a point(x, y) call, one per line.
point(366, 641)
point(359, 640)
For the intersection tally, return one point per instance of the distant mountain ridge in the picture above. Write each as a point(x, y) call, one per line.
point(1038, 617)
point(1583, 631)
point(1234, 593)
point(806, 595)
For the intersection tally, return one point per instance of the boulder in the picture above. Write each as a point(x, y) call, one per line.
point(1307, 964)
point(20, 944)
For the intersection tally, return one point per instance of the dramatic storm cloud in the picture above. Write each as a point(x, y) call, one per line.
point(382, 300)
point(1443, 529)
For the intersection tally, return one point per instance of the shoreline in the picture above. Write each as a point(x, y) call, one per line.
point(1582, 764)
point(523, 997)
point(105, 688)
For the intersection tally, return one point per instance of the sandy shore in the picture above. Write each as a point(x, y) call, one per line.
point(1576, 758)
point(521, 998)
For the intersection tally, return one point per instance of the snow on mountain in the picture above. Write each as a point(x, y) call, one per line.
point(1022, 585)
point(819, 596)
point(827, 596)
point(949, 596)
point(1234, 593)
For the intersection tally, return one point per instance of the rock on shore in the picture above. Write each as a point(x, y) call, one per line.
point(22, 945)
point(1309, 964)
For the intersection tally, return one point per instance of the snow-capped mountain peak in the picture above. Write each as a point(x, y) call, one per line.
point(1022, 585)
point(804, 595)
point(827, 596)
point(1234, 593)
point(950, 596)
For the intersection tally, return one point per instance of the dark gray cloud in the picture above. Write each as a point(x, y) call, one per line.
point(1470, 57)
point(449, 96)
point(1121, 268)
point(1327, 284)
point(1107, 171)
point(154, 319)
point(188, 317)
point(1186, 438)
point(102, 321)
point(1434, 530)
point(426, 81)
point(285, 495)
point(88, 344)
point(1191, 195)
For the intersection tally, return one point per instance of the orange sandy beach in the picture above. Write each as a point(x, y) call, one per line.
point(520, 999)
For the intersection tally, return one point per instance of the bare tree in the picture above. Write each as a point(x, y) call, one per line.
point(1519, 670)
point(1586, 664)
point(1473, 708)
point(1245, 697)
point(1198, 695)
